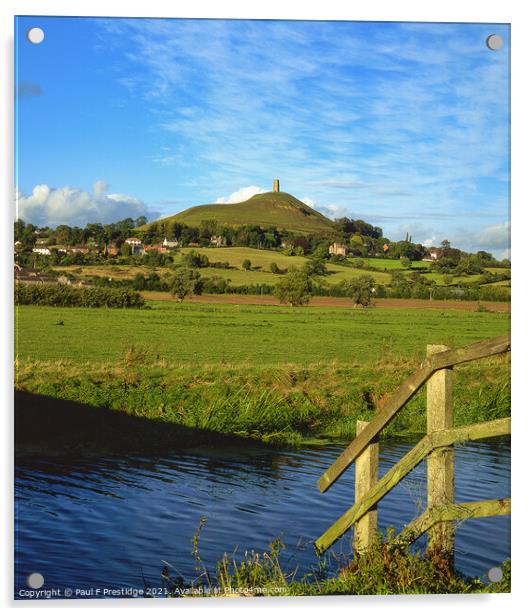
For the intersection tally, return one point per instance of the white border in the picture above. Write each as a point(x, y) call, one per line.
point(510, 11)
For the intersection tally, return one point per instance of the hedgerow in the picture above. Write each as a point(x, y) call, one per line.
point(66, 295)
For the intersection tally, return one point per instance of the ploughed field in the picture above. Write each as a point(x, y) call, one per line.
point(272, 373)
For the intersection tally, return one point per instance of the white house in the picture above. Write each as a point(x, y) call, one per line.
point(42, 250)
point(136, 245)
point(172, 243)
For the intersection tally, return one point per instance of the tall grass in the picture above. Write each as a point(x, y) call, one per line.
point(389, 567)
point(278, 406)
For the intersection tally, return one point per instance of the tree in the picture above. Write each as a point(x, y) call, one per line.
point(25, 233)
point(315, 267)
point(246, 264)
point(185, 281)
point(448, 279)
point(196, 259)
point(361, 290)
point(321, 251)
point(295, 288)
point(139, 282)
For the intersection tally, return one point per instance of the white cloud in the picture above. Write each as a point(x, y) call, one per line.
point(72, 206)
point(495, 236)
point(242, 194)
point(310, 202)
point(332, 210)
point(492, 238)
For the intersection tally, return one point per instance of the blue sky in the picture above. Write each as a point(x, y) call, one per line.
point(403, 125)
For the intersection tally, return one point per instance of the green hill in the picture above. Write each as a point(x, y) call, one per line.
point(277, 209)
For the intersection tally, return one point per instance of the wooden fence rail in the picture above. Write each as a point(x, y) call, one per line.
point(436, 446)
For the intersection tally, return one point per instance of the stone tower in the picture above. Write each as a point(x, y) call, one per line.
point(276, 186)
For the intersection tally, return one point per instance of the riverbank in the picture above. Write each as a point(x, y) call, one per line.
point(273, 374)
point(279, 406)
point(388, 568)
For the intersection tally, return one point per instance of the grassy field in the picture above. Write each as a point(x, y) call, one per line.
point(265, 335)
point(390, 264)
point(260, 273)
point(264, 372)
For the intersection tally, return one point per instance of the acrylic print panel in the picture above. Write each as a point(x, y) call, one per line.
point(235, 241)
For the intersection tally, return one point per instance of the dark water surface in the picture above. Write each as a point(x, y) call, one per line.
point(109, 522)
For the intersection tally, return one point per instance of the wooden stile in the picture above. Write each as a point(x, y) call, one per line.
point(441, 438)
point(437, 447)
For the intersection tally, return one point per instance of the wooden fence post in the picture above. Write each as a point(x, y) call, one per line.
point(366, 476)
point(440, 463)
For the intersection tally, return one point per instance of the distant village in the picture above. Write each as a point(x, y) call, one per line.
point(135, 246)
point(45, 254)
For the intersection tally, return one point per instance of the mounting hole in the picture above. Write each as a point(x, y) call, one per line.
point(495, 574)
point(494, 42)
point(35, 35)
point(35, 580)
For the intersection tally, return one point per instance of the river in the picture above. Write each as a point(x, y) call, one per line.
point(86, 522)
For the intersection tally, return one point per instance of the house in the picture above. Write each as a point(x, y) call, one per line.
point(385, 248)
point(18, 245)
point(170, 243)
point(79, 250)
point(42, 250)
point(218, 241)
point(434, 254)
point(338, 249)
point(155, 248)
point(136, 245)
point(111, 250)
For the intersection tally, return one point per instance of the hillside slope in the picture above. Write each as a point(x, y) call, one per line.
point(278, 209)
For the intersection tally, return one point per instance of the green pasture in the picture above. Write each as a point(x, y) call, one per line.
point(232, 334)
point(389, 264)
point(260, 273)
point(259, 258)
